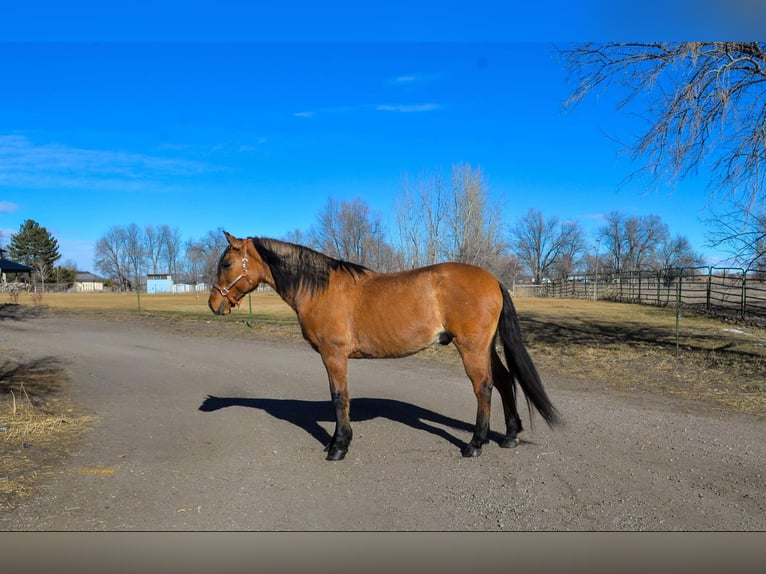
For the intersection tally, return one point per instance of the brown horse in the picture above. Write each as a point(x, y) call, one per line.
point(348, 311)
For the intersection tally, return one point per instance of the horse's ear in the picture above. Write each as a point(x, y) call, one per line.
point(233, 241)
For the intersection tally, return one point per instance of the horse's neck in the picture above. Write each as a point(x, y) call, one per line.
point(292, 299)
point(304, 301)
point(292, 296)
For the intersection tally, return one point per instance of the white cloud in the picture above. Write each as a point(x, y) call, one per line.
point(400, 108)
point(408, 108)
point(27, 164)
point(410, 79)
point(8, 207)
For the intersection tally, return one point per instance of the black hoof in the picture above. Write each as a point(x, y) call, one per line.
point(336, 453)
point(510, 442)
point(470, 451)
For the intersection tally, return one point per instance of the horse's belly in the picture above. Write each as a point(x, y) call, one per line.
point(397, 339)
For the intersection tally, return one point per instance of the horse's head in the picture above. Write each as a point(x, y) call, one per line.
point(240, 270)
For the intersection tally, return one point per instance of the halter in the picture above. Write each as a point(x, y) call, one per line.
point(226, 291)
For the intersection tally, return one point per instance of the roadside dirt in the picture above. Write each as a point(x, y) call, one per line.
point(207, 426)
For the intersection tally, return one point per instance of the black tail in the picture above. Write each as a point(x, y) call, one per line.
point(520, 363)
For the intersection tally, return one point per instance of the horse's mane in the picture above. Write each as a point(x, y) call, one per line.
point(295, 267)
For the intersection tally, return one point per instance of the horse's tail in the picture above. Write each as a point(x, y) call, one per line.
point(520, 363)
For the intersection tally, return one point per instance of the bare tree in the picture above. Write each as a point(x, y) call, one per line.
point(459, 222)
point(111, 258)
point(632, 242)
point(472, 221)
point(135, 255)
point(421, 210)
point(154, 246)
point(173, 242)
point(508, 269)
point(677, 252)
point(705, 103)
point(744, 235)
point(213, 244)
point(296, 236)
point(613, 239)
point(194, 256)
point(547, 247)
point(350, 230)
point(572, 249)
point(644, 234)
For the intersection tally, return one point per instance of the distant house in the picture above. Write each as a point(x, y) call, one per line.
point(159, 283)
point(189, 288)
point(86, 282)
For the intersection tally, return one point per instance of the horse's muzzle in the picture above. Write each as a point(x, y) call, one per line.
point(222, 308)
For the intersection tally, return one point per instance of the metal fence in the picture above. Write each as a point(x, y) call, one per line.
point(721, 291)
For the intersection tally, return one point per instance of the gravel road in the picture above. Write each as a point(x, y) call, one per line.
point(222, 432)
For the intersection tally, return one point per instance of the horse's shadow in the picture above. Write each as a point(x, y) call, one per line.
point(308, 414)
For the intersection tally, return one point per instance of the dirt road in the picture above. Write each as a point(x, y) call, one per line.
point(217, 432)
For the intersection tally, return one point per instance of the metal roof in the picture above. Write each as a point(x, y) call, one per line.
point(13, 267)
point(83, 276)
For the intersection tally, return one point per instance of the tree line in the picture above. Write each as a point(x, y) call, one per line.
point(435, 219)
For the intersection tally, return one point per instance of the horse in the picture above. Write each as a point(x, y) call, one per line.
point(347, 311)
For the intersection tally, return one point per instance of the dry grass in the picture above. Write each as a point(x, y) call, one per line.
point(38, 427)
point(633, 349)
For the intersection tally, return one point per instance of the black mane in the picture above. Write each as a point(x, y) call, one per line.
point(296, 267)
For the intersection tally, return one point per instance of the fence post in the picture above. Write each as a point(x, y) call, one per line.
point(709, 288)
point(678, 309)
point(659, 282)
point(595, 287)
point(744, 294)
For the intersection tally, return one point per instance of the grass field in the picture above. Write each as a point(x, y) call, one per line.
point(630, 349)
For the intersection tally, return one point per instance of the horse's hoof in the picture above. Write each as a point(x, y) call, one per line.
point(336, 453)
point(510, 442)
point(470, 451)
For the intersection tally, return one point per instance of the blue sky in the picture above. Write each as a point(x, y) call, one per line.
point(255, 136)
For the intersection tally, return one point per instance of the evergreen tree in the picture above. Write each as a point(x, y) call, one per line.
point(34, 246)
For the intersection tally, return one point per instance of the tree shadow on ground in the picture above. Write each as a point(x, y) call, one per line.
point(15, 312)
point(308, 414)
point(38, 378)
point(594, 333)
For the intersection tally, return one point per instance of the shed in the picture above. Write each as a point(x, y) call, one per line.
point(159, 283)
point(87, 282)
point(8, 267)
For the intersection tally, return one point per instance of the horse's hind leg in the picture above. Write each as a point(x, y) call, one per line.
point(477, 368)
point(337, 366)
point(503, 380)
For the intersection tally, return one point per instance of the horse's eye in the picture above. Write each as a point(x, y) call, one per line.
point(226, 264)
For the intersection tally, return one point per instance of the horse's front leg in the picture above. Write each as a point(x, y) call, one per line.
point(337, 367)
